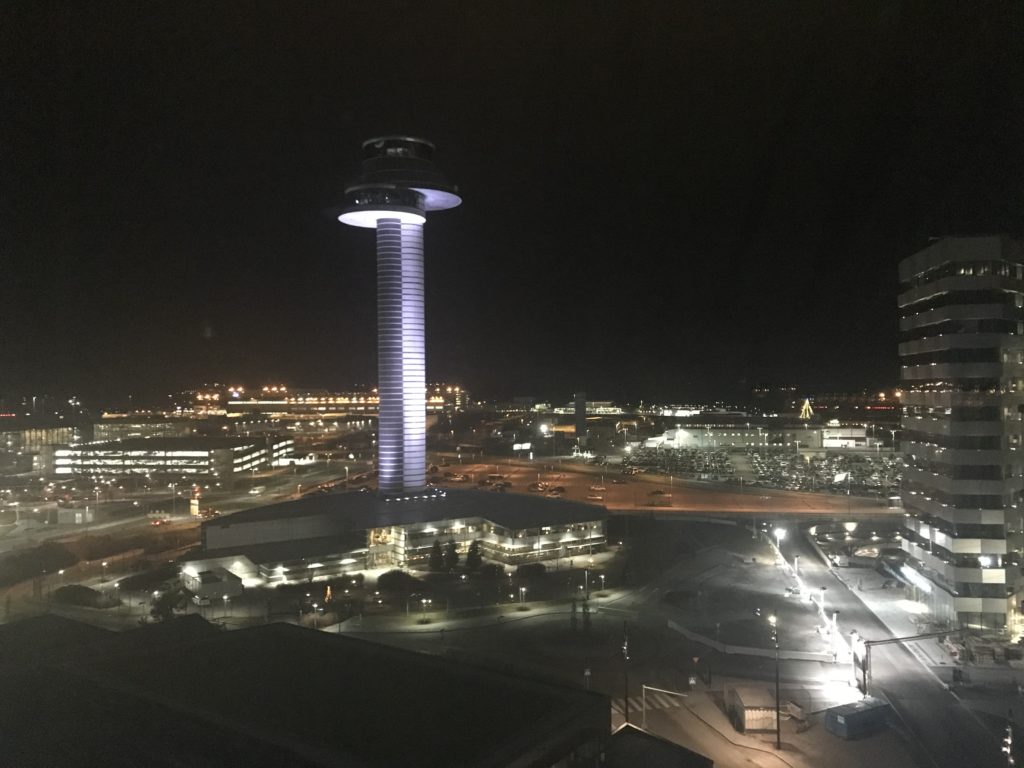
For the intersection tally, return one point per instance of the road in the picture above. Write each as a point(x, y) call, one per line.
point(648, 493)
point(946, 732)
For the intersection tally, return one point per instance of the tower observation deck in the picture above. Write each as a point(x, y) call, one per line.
point(398, 186)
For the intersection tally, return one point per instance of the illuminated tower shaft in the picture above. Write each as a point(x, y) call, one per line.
point(398, 186)
point(402, 381)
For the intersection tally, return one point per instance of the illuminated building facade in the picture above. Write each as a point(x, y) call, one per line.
point(173, 456)
point(962, 360)
point(299, 540)
point(398, 185)
point(438, 397)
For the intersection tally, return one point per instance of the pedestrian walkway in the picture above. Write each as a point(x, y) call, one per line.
point(901, 616)
point(655, 700)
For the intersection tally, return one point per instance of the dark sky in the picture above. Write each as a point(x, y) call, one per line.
point(662, 200)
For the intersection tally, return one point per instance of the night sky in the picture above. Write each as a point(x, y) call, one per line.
point(661, 200)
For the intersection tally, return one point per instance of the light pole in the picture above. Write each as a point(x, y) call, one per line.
point(104, 564)
point(780, 534)
point(778, 717)
point(625, 668)
point(586, 582)
point(522, 595)
point(602, 582)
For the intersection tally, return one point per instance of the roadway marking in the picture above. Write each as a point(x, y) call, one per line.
point(655, 700)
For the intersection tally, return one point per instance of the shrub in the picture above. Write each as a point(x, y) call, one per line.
point(85, 597)
point(531, 570)
point(398, 581)
point(492, 571)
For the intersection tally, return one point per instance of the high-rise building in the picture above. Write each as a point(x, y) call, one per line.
point(961, 350)
point(399, 184)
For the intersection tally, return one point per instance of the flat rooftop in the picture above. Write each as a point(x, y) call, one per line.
point(359, 511)
point(171, 444)
point(282, 695)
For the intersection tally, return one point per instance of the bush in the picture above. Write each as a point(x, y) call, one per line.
point(531, 570)
point(46, 558)
point(398, 581)
point(149, 580)
point(492, 571)
point(85, 597)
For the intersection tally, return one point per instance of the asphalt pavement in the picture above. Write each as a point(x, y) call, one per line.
point(945, 733)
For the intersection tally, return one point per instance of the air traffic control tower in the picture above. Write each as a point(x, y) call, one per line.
point(398, 186)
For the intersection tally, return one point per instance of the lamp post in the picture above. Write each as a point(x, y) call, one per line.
point(625, 669)
point(104, 564)
point(522, 595)
point(602, 582)
point(780, 534)
point(773, 621)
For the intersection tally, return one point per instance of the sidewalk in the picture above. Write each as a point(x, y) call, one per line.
point(896, 612)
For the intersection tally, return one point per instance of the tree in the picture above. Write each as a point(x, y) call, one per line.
point(451, 555)
point(436, 557)
point(164, 605)
point(398, 581)
point(473, 558)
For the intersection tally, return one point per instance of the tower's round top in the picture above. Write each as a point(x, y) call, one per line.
point(400, 146)
point(399, 162)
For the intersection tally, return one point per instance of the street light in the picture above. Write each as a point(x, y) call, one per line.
point(522, 595)
point(602, 582)
point(104, 564)
point(773, 621)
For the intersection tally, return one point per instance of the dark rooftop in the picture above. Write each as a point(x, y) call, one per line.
point(630, 746)
point(359, 511)
point(282, 695)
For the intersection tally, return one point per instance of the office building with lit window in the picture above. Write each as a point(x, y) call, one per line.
point(221, 457)
point(961, 352)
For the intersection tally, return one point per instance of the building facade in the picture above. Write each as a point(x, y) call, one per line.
point(222, 457)
point(961, 352)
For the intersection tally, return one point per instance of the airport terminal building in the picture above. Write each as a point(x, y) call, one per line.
point(327, 535)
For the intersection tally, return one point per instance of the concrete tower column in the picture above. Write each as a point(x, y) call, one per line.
point(401, 434)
